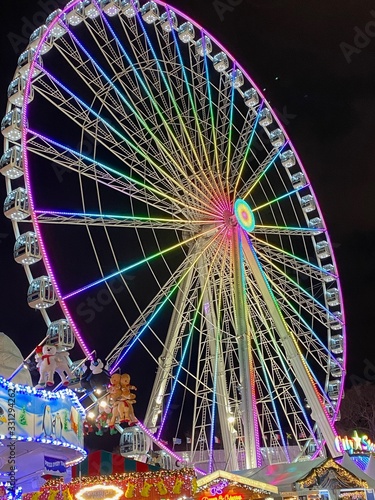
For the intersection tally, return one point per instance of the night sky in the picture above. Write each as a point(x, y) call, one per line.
point(318, 72)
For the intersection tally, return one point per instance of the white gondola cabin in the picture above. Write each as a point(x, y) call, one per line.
point(298, 180)
point(41, 293)
point(90, 9)
point(26, 249)
point(16, 92)
point(337, 344)
point(129, 7)
point(76, 15)
point(220, 62)
point(11, 164)
point(203, 46)
point(60, 334)
point(24, 63)
point(235, 78)
point(168, 21)
point(308, 203)
point(317, 225)
point(110, 7)
point(134, 442)
point(335, 369)
point(334, 389)
point(333, 297)
point(322, 250)
point(35, 38)
point(16, 205)
point(58, 29)
point(186, 32)
point(265, 117)
point(150, 12)
point(335, 322)
point(288, 159)
point(329, 273)
point(11, 125)
point(277, 138)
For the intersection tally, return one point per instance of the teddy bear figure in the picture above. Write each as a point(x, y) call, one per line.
point(47, 365)
point(116, 402)
point(128, 397)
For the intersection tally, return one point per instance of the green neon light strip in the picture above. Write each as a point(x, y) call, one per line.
point(139, 263)
point(294, 257)
point(286, 195)
point(265, 170)
point(162, 304)
point(248, 148)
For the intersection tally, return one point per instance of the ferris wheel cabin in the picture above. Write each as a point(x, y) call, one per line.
point(60, 334)
point(41, 293)
point(11, 164)
point(26, 249)
point(35, 38)
point(16, 205)
point(58, 30)
point(16, 92)
point(337, 344)
point(11, 125)
point(134, 442)
point(288, 159)
point(24, 63)
point(168, 21)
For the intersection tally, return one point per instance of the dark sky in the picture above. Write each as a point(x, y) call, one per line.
point(318, 71)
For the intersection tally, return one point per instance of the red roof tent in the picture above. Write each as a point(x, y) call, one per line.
point(102, 463)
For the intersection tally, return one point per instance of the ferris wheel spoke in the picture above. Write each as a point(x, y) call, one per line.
point(141, 262)
point(120, 221)
point(291, 260)
point(261, 171)
point(75, 161)
point(278, 199)
point(175, 283)
point(276, 276)
point(285, 230)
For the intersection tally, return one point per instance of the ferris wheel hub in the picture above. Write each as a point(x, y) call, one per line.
point(244, 215)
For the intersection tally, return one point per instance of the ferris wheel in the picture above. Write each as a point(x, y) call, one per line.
point(156, 197)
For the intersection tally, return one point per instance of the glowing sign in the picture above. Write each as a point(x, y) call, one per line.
point(100, 492)
point(226, 496)
point(244, 215)
point(355, 444)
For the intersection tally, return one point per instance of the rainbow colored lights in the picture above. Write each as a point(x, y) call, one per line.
point(244, 215)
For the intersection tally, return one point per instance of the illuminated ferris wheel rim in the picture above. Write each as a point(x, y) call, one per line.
point(245, 215)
